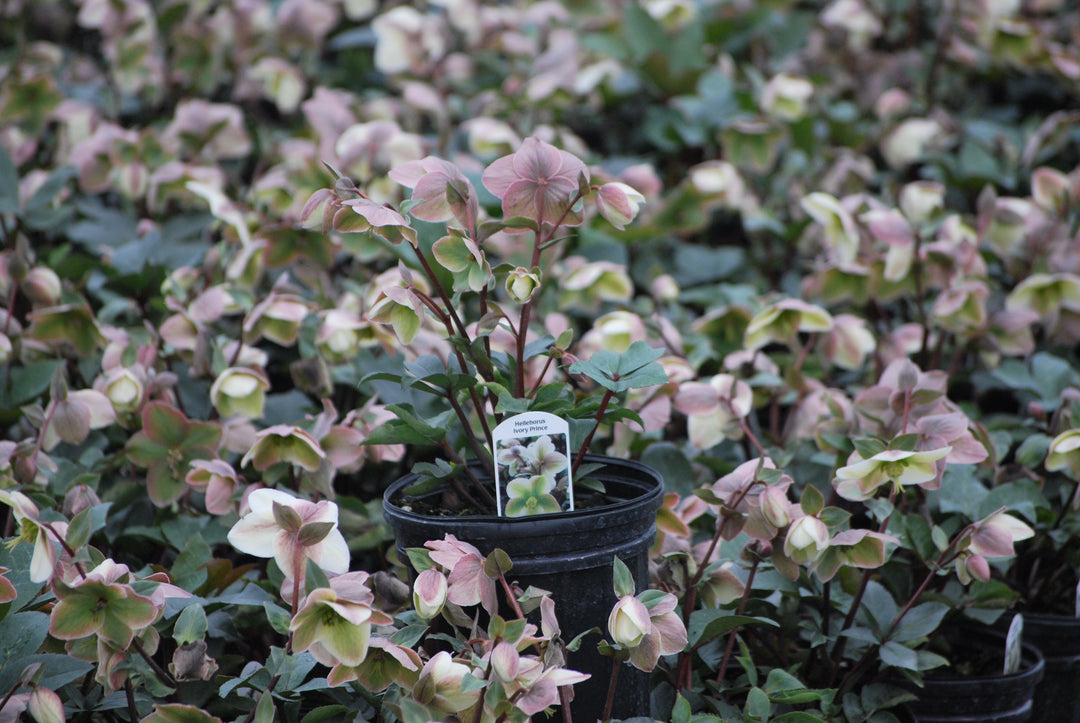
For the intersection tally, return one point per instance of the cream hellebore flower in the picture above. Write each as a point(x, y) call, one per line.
point(521, 284)
point(45, 556)
point(647, 631)
point(429, 593)
point(240, 392)
point(994, 535)
point(711, 408)
point(785, 97)
point(440, 685)
point(806, 540)
point(910, 140)
point(292, 531)
point(1046, 294)
point(837, 225)
point(783, 320)
point(861, 477)
point(1064, 453)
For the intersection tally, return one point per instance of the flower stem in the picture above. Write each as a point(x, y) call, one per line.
point(610, 702)
point(731, 635)
point(608, 394)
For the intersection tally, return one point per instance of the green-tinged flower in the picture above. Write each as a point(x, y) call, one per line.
point(386, 663)
point(783, 320)
point(31, 529)
point(217, 479)
point(440, 685)
point(1046, 294)
point(841, 235)
point(521, 284)
point(806, 540)
point(284, 443)
point(587, 284)
point(464, 258)
point(277, 318)
point(167, 445)
point(1064, 453)
point(402, 309)
point(429, 593)
point(785, 97)
point(862, 477)
point(334, 623)
point(619, 203)
point(531, 496)
point(99, 604)
point(648, 626)
point(713, 408)
point(240, 392)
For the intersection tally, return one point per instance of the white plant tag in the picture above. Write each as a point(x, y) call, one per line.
point(532, 465)
point(1012, 644)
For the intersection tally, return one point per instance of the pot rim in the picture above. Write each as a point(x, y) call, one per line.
point(630, 473)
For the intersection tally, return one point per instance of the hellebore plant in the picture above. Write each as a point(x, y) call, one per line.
point(484, 309)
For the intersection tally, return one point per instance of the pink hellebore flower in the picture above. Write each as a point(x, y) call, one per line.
point(537, 182)
point(440, 685)
point(861, 477)
point(71, 419)
point(27, 515)
point(618, 203)
point(218, 480)
point(440, 191)
point(467, 582)
point(288, 529)
point(429, 593)
point(648, 631)
point(806, 540)
point(994, 535)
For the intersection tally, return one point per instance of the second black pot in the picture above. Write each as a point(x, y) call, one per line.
point(571, 555)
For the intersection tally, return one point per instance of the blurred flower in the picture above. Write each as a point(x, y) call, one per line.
point(240, 392)
point(911, 140)
point(860, 478)
point(1064, 453)
point(713, 408)
point(785, 97)
point(853, 17)
point(849, 342)
point(781, 321)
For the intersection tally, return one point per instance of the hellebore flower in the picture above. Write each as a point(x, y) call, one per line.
point(1064, 453)
point(783, 320)
point(71, 419)
point(440, 191)
point(429, 593)
point(536, 182)
point(618, 203)
point(218, 480)
point(713, 408)
point(994, 535)
point(861, 477)
point(167, 445)
point(806, 540)
point(440, 685)
point(240, 392)
point(284, 443)
point(521, 284)
point(648, 626)
point(43, 561)
point(467, 581)
point(291, 530)
point(334, 623)
point(100, 605)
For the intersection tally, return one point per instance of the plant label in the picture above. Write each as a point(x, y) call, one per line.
point(1012, 644)
point(532, 465)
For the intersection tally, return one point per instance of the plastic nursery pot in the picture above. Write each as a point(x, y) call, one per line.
point(981, 698)
point(1057, 697)
point(570, 554)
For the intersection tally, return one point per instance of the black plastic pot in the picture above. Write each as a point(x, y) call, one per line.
point(982, 698)
point(569, 554)
point(1057, 698)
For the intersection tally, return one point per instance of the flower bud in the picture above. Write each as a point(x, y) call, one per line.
point(775, 507)
point(124, 389)
point(42, 286)
point(45, 706)
point(79, 498)
point(629, 622)
point(619, 203)
point(521, 284)
point(664, 288)
point(806, 540)
point(429, 593)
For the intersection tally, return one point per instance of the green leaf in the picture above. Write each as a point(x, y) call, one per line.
point(264, 710)
point(710, 623)
point(278, 617)
point(622, 579)
point(758, 706)
point(314, 577)
point(867, 447)
point(9, 184)
point(812, 500)
point(21, 635)
point(190, 624)
point(921, 621)
point(899, 656)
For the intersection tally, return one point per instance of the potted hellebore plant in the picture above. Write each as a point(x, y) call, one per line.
point(489, 380)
